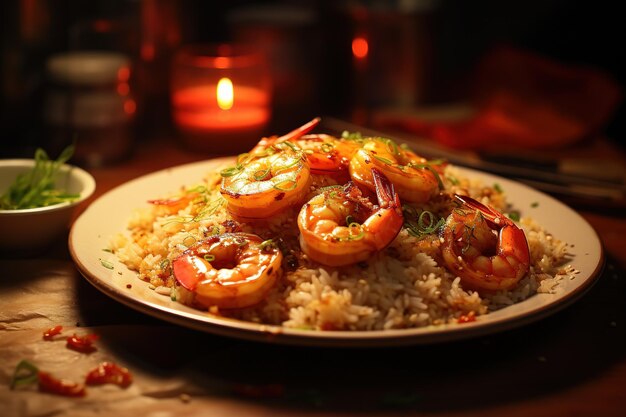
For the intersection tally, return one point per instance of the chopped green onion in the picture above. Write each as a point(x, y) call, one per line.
point(431, 169)
point(514, 215)
point(326, 147)
point(420, 225)
point(106, 264)
point(25, 374)
point(497, 187)
point(190, 239)
point(209, 257)
point(267, 244)
point(357, 226)
point(35, 188)
point(383, 160)
point(229, 172)
point(260, 174)
point(292, 184)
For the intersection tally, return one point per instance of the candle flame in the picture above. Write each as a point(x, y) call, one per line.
point(225, 94)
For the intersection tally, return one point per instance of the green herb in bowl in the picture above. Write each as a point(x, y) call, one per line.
point(36, 188)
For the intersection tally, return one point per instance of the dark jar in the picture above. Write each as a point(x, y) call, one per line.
point(89, 102)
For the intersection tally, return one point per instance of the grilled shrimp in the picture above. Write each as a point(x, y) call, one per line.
point(327, 155)
point(232, 270)
point(415, 179)
point(260, 186)
point(483, 247)
point(340, 227)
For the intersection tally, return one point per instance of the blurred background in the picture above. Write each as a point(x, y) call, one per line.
point(467, 75)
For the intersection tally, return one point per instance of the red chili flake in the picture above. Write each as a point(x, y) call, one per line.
point(467, 318)
point(53, 331)
point(109, 373)
point(52, 385)
point(82, 344)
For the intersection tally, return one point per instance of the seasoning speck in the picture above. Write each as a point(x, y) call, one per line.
point(129, 286)
point(185, 398)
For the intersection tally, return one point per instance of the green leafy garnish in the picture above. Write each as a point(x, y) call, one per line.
point(420, 224)
point(25, 374)
point(36, 188)
point(268, 244)
point(514, 215)
point(498, 188)
point(106, 264)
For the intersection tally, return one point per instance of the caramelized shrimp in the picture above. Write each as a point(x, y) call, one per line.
point(340, 227)
point(328, 155)
point(261, 185)
point(414, 178)
point(232, 270)
point(483, 247)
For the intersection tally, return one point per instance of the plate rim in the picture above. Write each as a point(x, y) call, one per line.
point(203, 321)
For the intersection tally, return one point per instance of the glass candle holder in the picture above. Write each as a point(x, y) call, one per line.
point(220, 97)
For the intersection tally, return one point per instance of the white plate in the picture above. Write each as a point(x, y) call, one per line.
point(110, 213)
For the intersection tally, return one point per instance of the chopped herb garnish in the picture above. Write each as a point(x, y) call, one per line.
point(36, 188)
point(326, 147)
point(209, 257)
point(535, 204)
point(106, 264)
point(267, 244)
point(229, 172)
point(514, 215)
point(383, 160)
point(286, 185)
point(189, 240)
point(356, 136)
point(422, 224)
point(25, 374)
point(498, 187)
point(431, 169)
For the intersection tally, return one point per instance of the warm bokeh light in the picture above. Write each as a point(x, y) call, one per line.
point(360, 47)
point(123, 74)
point(225, 94)
point(130, 106)
point(123, 89)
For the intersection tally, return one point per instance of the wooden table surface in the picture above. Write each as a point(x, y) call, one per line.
point(571, 363)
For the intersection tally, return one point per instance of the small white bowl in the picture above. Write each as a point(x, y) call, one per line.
point(30, 230)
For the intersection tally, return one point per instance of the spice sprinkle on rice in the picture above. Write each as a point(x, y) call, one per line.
point(317, 232)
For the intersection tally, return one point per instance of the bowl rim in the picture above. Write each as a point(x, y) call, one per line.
point(86, 179)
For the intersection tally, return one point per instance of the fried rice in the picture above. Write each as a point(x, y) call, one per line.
point(401, 286)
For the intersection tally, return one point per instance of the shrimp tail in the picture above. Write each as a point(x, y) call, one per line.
point(494, 218)
point(301, 131)
point(385, 192)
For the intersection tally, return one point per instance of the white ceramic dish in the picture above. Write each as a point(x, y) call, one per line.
point(32, 229)
point(110, 213)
